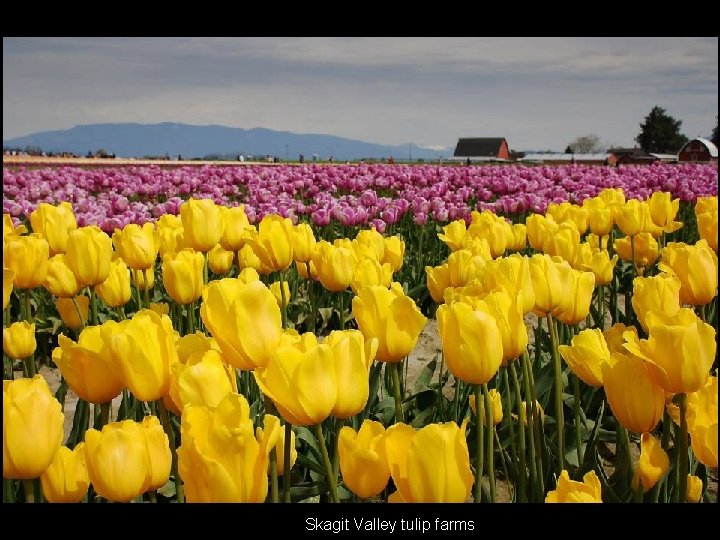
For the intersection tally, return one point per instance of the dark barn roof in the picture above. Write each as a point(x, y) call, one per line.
point(483, 146)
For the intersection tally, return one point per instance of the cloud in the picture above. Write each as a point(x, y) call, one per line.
point(538, 92)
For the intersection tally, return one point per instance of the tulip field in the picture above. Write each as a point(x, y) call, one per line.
point(245, 334)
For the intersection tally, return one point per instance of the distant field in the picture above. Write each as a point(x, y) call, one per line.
point(40, 161)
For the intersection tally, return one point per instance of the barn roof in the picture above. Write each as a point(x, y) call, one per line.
point(479, 147)
point(708, 144)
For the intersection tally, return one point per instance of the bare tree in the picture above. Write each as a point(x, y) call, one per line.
point(587, 144)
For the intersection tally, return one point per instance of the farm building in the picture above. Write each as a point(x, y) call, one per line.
point(568, 159)
point(482, 149)
point(700, 150)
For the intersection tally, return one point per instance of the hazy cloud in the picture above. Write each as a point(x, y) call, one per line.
point(540, 93)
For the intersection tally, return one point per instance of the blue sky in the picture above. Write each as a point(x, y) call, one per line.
point(539, 93)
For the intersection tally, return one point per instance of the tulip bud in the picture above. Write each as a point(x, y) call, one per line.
point(19, 340)
point(363, 461)
point(203, 224)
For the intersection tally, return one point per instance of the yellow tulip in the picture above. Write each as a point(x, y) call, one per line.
point(539, 228)
point(634, 398)
point(559, 212)
point(115, 290)
point(539, 412)
point(32, 428)
point(203, 380)
point(394, 252)
point(694, 489)
point(74, 315)
point(66, 480)
point(190, 344)
point(169, 231)
point(203, 224)
point(54, 223)
point(10, 230)
point(161, 308)
point(363, 460)
point(370, 272)
point(453, 234)
point(595, 242)
point(519, 242)
point(512, 273)
point(278, 294)
point(335, 265)
point(497, 412)
point(430, 465)
point(138, 278)
point(89, 253)
point(697, 269)
point(244, 319)
point(496, 232)
point(463, 267)
point(706, 204)
point(373, 241)
point(679, 351)
point(601, 265)
point(60, 280)
point(353, 355)
point(136, 245)
point(280, 452)
point(508, 315)
point(586, 354)
point(183, 275)
point(27, 256)
point(564, 243)
point(634, 218)
point(612, 196)
point(479, 247)
point(663, 209)
point(143, 352)
point(19, 340)
point(707, 224)
point(579, 216)
point(221, 458)
point(600, 216)
point(471, 342)
point(569, 491)
point(8, 278)
point(702, 420)
point(87, 365)
point(615, 336)
point(656, 293)
point(127, 458)
point(273, 242)
point(234, 235)
point(646, 249)
point(302, 270)
point(247, 258)
point(652, 465)
point(438, 279)
point(575, 304)
point(220, 260)
point(549, 282)
point(300, 379)
point(391, 317)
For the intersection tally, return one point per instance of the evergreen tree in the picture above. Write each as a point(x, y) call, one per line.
point(660, 133)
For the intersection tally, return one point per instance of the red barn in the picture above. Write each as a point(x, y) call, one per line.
point(482, 149)
point(700, 150)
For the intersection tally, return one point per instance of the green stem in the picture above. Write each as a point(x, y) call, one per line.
point(509, 423)
point(286, 462)
point(638, 493)
point(120, 313)
point(490, 440)
point(205, 269)
point(522, 471)
point(601, 298)
point(274, 497)
point(146, 289)
point(559, 413)
point(578, 409)
point(682, 455)
point(79, 314)
point(336, 449)
point(441, 384)
point(665, 444)
point(167, 426)
point(396, 391)
point(191, 317)
point(8, 491)
point(341, 309)
point(30, 361)
point(105, 413)
point(313, 299)
point(283, 299)
point(534, 427)
point(326, 460)
point(480, 442)
point(29, 491)
point(137, 293)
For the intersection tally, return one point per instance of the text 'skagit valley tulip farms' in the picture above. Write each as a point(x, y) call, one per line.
point(246, 333)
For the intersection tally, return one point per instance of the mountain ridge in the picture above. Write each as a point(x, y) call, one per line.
point(131, 139)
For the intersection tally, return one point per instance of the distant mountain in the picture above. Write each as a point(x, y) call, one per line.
point(138, 140)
